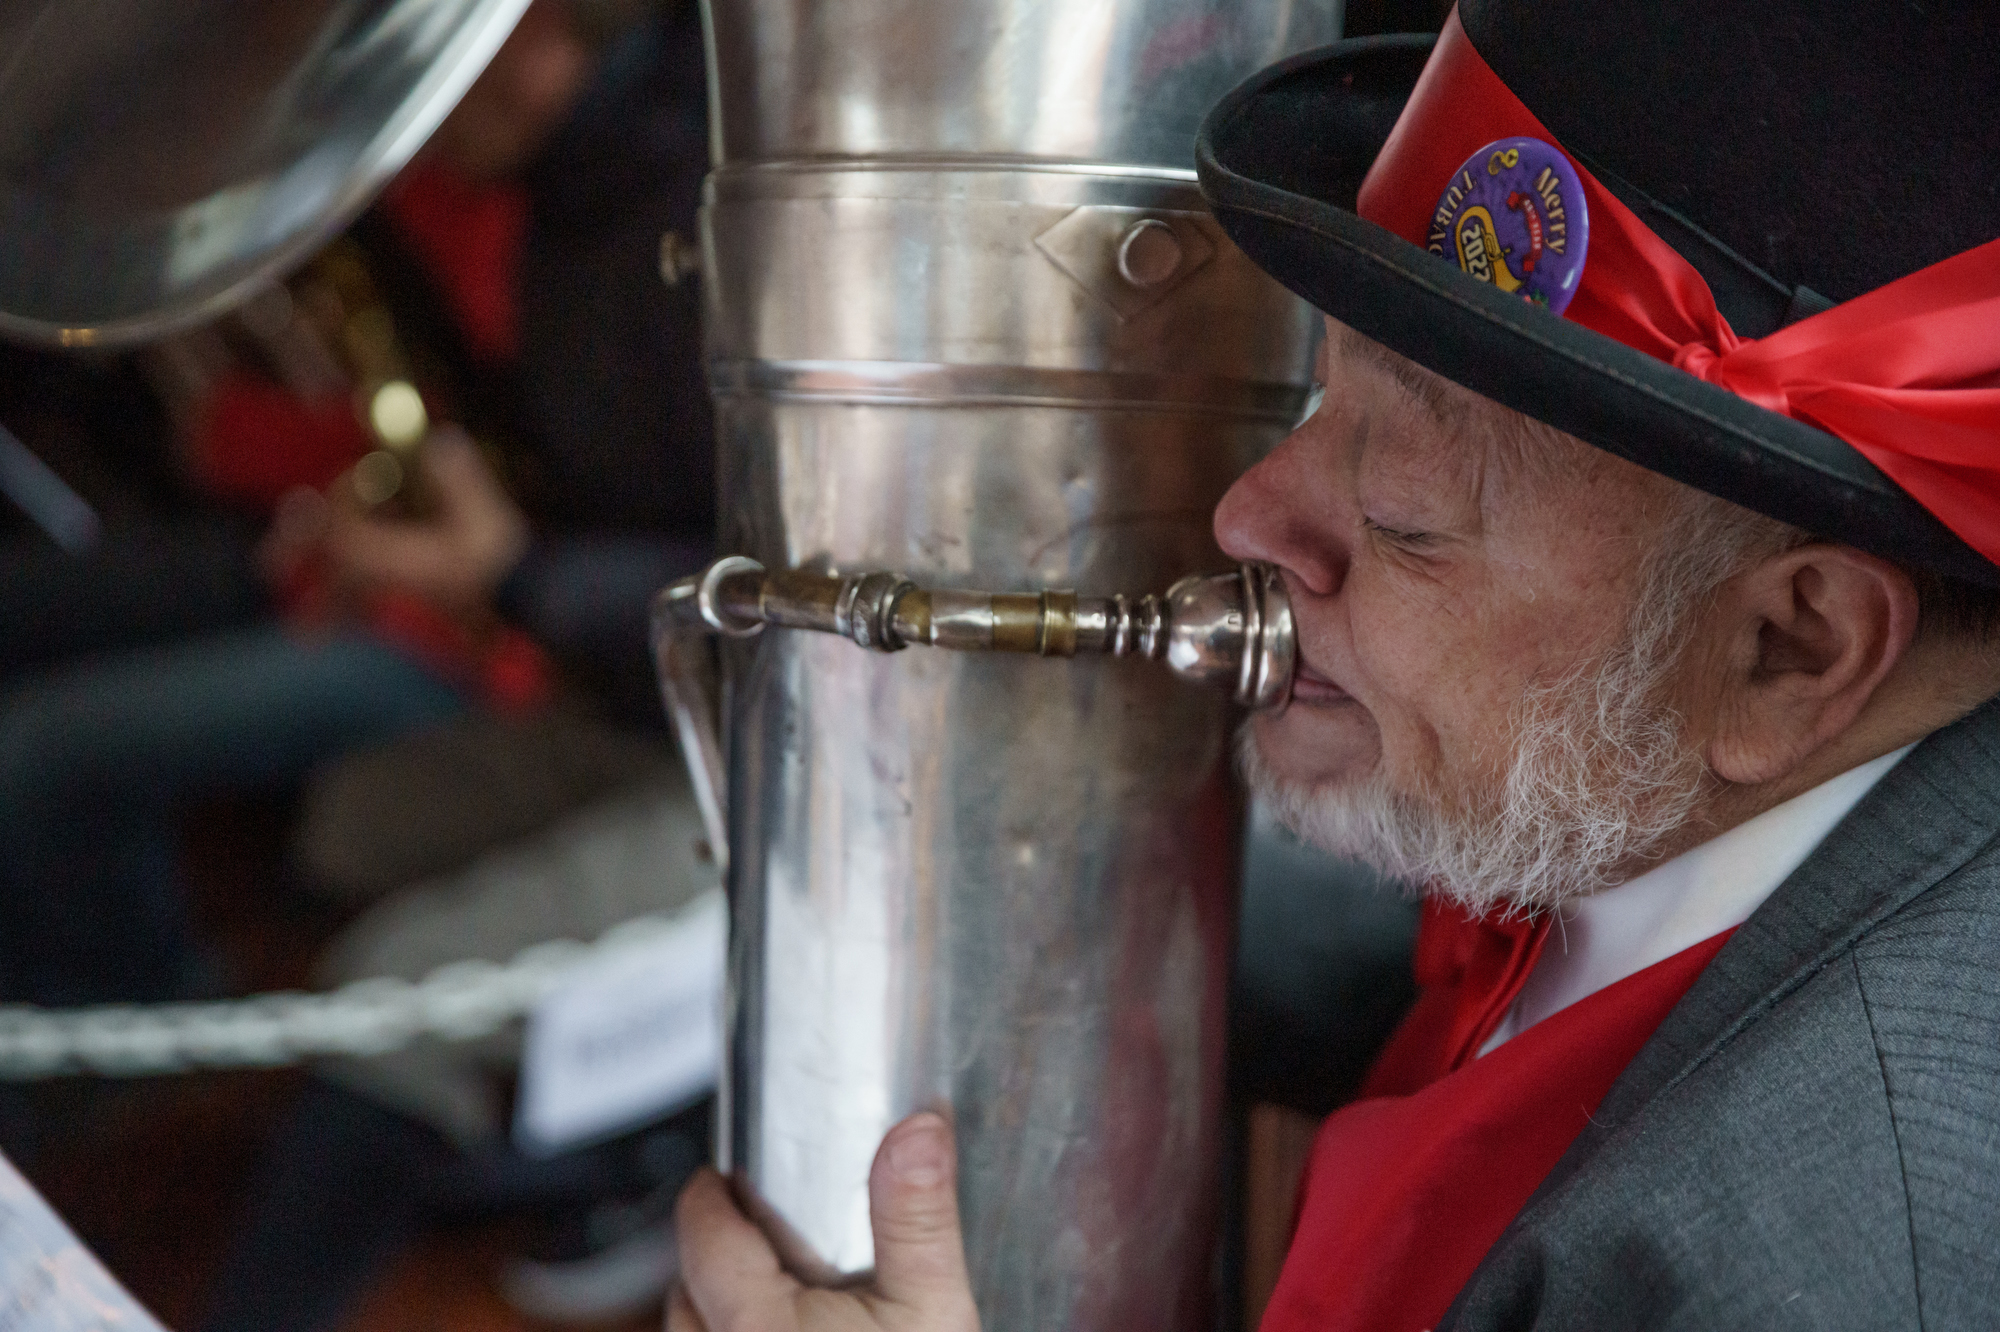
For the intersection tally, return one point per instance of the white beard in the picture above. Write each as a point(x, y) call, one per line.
point(1602, 775)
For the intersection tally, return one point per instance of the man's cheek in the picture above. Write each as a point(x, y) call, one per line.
point(1426, 703)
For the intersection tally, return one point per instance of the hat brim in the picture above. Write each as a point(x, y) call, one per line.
point(1281, 160)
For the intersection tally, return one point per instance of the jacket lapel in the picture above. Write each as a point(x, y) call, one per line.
point(1929, 816)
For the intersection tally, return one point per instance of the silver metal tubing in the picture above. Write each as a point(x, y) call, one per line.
point(1116, 83)
point(969, 319)
point(1230, 629)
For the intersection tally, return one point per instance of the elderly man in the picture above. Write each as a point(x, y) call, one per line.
point(1643, 555)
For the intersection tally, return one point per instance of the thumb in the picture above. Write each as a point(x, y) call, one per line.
point(913, 1199)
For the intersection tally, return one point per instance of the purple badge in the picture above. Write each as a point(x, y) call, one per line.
point(1514, 216)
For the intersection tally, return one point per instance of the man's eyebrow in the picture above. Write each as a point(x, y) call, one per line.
point(1429, 391)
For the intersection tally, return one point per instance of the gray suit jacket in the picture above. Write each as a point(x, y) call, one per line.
point(1812, 1137)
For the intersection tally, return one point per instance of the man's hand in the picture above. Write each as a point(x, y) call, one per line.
point(453, 557)
point(733, 1281)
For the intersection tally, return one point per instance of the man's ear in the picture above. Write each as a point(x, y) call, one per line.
point(1804, 640)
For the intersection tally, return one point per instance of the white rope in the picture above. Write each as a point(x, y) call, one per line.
point(460, 1001)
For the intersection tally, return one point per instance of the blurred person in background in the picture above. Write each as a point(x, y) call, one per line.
point(510, 265)
point(488, 834)
point(488, 611)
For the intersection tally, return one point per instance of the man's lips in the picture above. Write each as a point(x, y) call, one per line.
point(1309, 686)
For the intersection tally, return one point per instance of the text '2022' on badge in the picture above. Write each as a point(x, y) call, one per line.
point(1514, 216)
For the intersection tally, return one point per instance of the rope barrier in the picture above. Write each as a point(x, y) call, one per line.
point(459, 1001)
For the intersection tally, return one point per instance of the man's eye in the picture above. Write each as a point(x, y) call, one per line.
point(1397, 535)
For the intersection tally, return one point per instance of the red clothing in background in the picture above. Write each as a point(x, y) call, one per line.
point(468, 235)
point(258, 439)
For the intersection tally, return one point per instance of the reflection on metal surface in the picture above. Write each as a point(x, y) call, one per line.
point(62, 514)
point(680, 259)
point(1150, 253)
point(1122, 83)
point(162, 159)
point(1232, 629)
point(1000, 385)
point(376, 478)
point(396, 414)
point(968, 319)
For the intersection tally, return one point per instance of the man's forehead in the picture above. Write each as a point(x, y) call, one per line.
point(1434, 443)
point(1444, 402)
point(1463, 440)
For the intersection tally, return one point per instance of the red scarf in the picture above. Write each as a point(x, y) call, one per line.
point(1409, 1186)
point(1909, 374)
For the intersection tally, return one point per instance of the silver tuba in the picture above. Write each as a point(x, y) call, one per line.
point(971, 327)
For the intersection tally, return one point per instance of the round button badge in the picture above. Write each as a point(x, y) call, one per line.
point(1514, 215)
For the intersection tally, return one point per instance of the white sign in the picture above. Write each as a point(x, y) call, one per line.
point(48, 1281)
point(633, 1034)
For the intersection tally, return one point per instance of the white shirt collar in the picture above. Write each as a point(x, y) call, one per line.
point(1600, 940)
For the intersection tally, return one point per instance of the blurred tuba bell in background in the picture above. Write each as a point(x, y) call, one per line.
point(163, 160)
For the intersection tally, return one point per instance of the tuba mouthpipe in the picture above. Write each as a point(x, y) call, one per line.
point(1233, 630)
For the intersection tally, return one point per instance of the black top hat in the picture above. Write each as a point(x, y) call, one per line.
point(1796, 156)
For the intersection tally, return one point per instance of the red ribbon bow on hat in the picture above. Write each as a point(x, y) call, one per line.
point(1908, 374)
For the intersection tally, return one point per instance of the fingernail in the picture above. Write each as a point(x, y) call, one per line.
point(920, 1153)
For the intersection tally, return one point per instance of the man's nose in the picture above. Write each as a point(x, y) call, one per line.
point(1271, 514)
